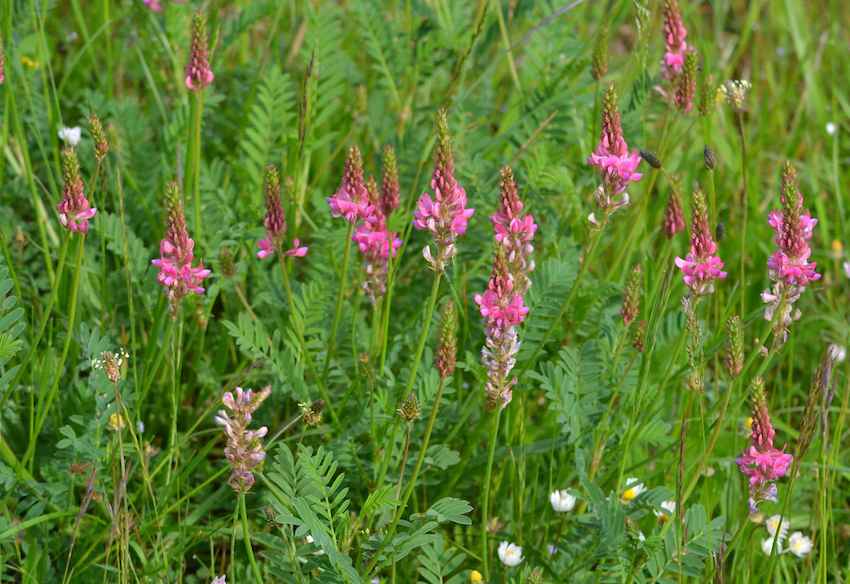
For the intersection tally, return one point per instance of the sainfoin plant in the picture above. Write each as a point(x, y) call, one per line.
point(423, 292)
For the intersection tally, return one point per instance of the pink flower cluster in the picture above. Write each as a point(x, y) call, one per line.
point(702, 266)
point(445, 215)
point(617, 165)
point(761, 462)
point(74, 208)
point(351, 200)
point(176, 273)
point(502, 305)
point(275, 221)
point(789, 267)
point(675, 34)
point(244, 450)
point(198, 72)
point(515, 232)
point(376, 242)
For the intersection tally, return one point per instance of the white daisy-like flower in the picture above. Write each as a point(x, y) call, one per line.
point(800, 545)
point(667, 510)
point(773, 526)
point(831, 128)
point(767, 545)
point(633, 489)
point(510, 554)
point(71, 136)
point(562, 501)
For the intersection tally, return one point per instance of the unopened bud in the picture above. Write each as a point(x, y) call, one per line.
point(631, 298)
point(599, 64)
point(447, 349)
point(709, 158)
point(409, 410)
point(101, 146)
point(639, 340)
point(651, 159)
point(734, 356)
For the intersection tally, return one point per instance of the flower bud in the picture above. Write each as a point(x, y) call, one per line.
point(709, 158)
point(599, 63)
point(447, 349)
point(101, 146)
point(734, 355)
point(651, 159)
point(409, 410)
point(631, 298)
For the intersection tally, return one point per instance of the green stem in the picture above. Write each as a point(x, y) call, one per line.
point(246, 535)
point(192, 179)
point(308, 359)
point(485, 503)
point(176, 352)
point(338, 311)
point(72, 318)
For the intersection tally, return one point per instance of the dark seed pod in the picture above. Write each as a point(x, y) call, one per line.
point(651, 159)
point(710, 158)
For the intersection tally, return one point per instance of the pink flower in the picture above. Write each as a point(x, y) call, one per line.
point(789, 266)
point(503, 309)
point(445, 215)
point(376, 243)
point(675, 34)
point(515, 232)
point(617, 165)
point(701, 266)
point(153, 5)
point(244, 450)
point(198, 72)
point(351, 200)
point(74, 209)
point(761, 462)
point(176, 273)
point(275, 220)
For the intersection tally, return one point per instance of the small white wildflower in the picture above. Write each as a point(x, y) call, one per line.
point(140, 427)
point(633, 490)
point(831, 128)
point(668, 509)
point(562, 501)
point(219, 580)
point(734, 92)
point(510, 554)
point(800, 545)
point(838, 353)
point(767, 545)
point(773, 526)
point(847, 269)
point(552, 549)
point(71, 136)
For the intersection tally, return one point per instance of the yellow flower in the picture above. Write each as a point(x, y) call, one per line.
point(748, 423)
point(27, 62)
point(635, 488)
point(116, 422)
point(475, 577)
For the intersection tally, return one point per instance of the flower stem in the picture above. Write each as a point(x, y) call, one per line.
point(485, 502)
point(176, 352)
point(246, 535)
point(192, 180)
point(338, 311)
point(308, 359)
point(72, 319)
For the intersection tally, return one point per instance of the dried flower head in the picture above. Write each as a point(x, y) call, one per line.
point(734, 355)
point(631, 297)
point(709, 158)
point(409, 411)
point(101, 145)
point(734, 93)
point(599, 63)
point(114, 365)
point(446, 357)
point(244, 449)
point(311, 413)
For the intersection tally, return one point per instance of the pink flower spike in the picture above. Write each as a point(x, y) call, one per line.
point(616, 164)
point(154, 5)
point(74, 209)
point(176, 273)
point(243, 451)
point(701, 267)
point(198, 72)
point(445, 215)
point(675, 34)
point(351, 200)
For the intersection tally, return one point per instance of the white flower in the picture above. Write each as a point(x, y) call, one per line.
point(668, 508)
point(838, 353)
point(847, 269)
point(831, 128)
point(773, 526)
point(800, 545)
point(140, 427)
point(562, 501)
point(633, 489)
point(767, 545)
point(219, 580)
point(71, 136)
point(510, 554)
